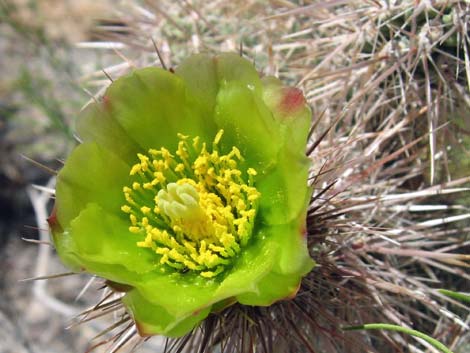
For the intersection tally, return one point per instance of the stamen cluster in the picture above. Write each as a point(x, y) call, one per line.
point(196, 208)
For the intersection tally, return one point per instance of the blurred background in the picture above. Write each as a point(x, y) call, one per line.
point(52, 57)
point(41, 92)
point(57, 55)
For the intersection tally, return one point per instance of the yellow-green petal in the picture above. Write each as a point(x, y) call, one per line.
point(282, 258)
point(199, 72)
point(153, 105)
point(248, 124)
point(153, 319)
point(96, 124)
point(92, 174)
point(100, 242)
point(232, 68)
point(282, 186)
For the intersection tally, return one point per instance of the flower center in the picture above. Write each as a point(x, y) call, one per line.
point(195, 208)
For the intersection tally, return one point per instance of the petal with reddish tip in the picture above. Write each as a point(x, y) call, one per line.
point(289, 107)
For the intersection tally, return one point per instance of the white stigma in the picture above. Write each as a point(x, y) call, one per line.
point(179, 201)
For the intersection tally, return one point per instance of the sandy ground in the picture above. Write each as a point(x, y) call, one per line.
point(34, 315)
point(27, 322)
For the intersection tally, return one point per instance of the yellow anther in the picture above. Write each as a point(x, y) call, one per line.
point(145, 209)
point(181, 151)
point(214, 157)
point(135, 186)
point(179, 167)
point(134, 229)
point(251, 171)
point(253, 197)
point(215, 248)
point(218, 137)
point(129, 199)
point(142, 157)
point(208, 274)
point(145, 221)
point(250, 213)
point(196, 142)
point(166, 154)
point(159, 176)
point(158, 164)
point(133, 219)
point(235, 152)
point(136, 168)
point(126, 209)
point(144, 166)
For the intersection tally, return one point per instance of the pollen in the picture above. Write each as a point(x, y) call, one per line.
point(194, 208)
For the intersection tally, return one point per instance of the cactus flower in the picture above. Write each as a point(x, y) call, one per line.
point(189, 192)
